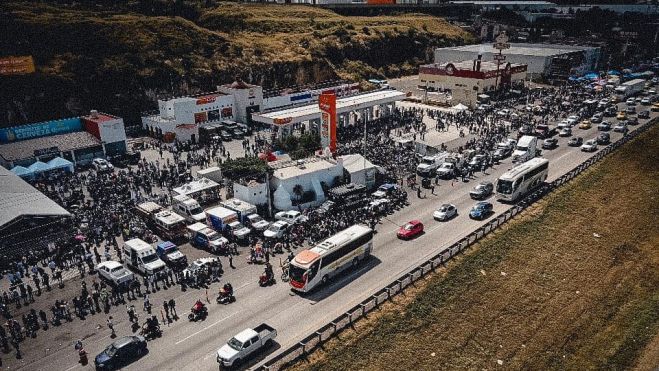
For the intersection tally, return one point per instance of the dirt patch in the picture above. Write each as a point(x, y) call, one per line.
point(572, 284)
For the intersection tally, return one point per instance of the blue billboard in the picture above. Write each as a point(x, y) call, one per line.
point(41, 129)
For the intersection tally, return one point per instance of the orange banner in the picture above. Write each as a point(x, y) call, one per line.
point(16, 65)
point(327, 105)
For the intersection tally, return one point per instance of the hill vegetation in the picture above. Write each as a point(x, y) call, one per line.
point(118, 56)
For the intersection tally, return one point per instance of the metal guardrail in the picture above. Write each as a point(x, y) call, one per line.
point(333, 328)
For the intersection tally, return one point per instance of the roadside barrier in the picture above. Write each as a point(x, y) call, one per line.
point(333, 328)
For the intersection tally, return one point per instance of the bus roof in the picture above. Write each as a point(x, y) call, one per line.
point(309, 256)
point(522, 168)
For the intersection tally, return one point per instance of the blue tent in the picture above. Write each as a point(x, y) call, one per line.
point(60, 163)
point(22, 171)
point(591, 76)
point(613, 72)
point(38, 167)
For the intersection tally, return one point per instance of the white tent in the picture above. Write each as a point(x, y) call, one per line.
point(60, 163)
point(460, 107)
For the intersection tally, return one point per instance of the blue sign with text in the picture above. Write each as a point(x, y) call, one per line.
point(41, 129)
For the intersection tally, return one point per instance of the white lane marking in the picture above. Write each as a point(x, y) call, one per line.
point(240, 287)
point(71, 368)
point(206, 328)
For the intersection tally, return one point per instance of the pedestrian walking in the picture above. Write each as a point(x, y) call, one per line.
point(111, 327)
point(231, 261)
point(172, 307)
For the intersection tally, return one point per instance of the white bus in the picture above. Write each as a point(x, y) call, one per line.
point(519, 180)
point(329, 258)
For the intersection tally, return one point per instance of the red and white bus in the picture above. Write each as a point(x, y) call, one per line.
point(329, 258)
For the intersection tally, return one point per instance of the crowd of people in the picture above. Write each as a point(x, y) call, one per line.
point(102, 204)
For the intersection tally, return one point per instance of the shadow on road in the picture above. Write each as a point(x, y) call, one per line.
point(342, 280)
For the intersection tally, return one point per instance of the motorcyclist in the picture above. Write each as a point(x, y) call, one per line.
point(226, 290)
point(268, 271)
point(198, 306)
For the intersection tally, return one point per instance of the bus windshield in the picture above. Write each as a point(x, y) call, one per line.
point(505, 187)
point(296, 273)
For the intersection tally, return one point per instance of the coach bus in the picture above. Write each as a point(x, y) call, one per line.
point(521, 179)
point(329, 258)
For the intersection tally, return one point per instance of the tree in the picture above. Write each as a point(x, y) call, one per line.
point(244, 167)
point(298, 191)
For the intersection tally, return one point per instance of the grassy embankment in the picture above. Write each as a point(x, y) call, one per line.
point(572, 284)
point(118, 56)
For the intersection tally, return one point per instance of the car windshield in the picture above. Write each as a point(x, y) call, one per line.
point(196, 210)
point(408, 227)
point(235, 344)
point(443, 209)
point(111, 350)
point(427, 161)
point(273, 228)
point(117, 269)
point(214, 237)
point(256, 219)
point(505, 187)
point(149, 258)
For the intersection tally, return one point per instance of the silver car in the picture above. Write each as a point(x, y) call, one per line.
point(445, 212)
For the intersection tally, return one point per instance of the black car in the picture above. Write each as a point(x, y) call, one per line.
point(603, 138)
point(238, 133)
point(644, 115)
point(121, 352)
point(226, 136)
point(247, 129)
point(575, 142)
point(482, 190)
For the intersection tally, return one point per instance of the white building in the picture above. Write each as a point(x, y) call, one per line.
point(182, 116)
point(309, 174)
point(247, 99)
point(253, 192)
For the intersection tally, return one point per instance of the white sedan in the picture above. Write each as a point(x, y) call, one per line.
point(445, 212)
point(114, 272)
point(589, 146)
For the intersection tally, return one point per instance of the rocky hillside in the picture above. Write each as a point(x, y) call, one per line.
point(118, 56)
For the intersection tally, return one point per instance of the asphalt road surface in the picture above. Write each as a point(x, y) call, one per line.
point(186, 346)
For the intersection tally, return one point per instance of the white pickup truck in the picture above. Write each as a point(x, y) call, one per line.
point(243, 345)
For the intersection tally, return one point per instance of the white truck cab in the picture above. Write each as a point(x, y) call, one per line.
point(189, 208)
point(142, 256)
point(526, 149)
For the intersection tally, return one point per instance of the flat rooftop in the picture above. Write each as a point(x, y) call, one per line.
point(99, 117)
point(538, 50)
point(64, 142)
point(292, 169)
point(312, 111)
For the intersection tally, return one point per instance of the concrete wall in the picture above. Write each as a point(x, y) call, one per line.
point(255, 193)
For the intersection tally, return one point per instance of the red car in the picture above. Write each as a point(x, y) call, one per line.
point(410, 229)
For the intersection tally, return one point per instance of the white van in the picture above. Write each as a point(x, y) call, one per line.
point(142, 257)
point(188, 208)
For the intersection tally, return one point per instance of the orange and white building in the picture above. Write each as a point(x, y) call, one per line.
point(466, 80)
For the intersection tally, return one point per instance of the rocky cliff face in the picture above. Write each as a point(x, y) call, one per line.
point(120, 59)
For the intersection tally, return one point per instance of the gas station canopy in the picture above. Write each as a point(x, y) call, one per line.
point(309, 112)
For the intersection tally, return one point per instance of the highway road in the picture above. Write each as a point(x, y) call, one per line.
point(188, 346)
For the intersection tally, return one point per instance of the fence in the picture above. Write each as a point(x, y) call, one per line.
point(313, 340)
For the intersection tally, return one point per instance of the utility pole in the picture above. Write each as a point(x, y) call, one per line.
point(500, 44)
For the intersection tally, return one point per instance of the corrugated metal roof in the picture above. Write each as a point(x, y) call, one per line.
point(18, 198)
